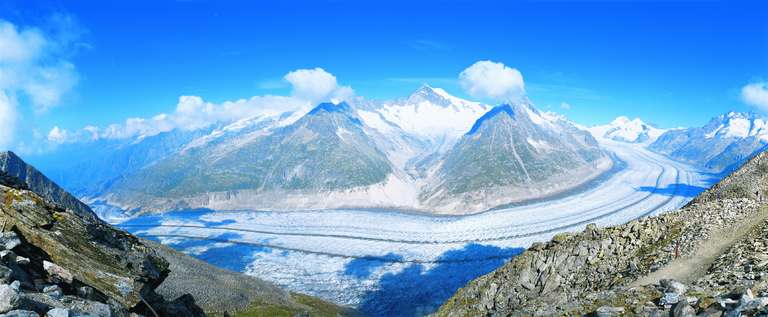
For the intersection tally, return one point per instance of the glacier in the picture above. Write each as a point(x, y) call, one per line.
point(394, 262)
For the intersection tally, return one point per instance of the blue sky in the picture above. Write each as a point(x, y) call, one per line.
point(674, 63)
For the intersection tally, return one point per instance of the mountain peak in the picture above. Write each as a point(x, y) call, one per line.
point(330, 107)
point(13, 168)
point(437, 96)
point(495, 111)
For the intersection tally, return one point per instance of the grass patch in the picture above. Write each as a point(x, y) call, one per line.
point(305, 305)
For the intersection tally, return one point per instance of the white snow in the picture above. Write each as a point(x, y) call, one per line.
point(739, 125)
point(312, 250)
point(626, 130)
point(428, 117)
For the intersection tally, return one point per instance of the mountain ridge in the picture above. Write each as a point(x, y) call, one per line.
point(601, 270)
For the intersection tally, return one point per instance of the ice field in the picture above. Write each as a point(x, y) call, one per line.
point(387, 262)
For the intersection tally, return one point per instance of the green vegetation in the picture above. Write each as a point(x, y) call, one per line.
point(306, 305)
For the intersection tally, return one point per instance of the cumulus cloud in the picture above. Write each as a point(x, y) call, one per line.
point(756, 94)
point(317, 85)
point(487, 79)
point(565, 105)
point(309, 86)
point(57, 135)
point(33, 64)
point(192, 112)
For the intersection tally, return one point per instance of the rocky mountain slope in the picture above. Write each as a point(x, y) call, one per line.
point(708, 257)
point(54, 258)
point(396, 154)
point(625, 130)
point(723, 144)
point(515, 152)
point(301, 157)
point(58, 259)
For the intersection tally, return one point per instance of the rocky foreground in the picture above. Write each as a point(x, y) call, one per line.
point(58, 259)
point(710, 258)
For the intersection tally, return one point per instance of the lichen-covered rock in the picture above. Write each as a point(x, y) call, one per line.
point(111, 261)
point(18, 174)
point(71, 259)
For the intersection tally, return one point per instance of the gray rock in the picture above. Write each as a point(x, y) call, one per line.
point(754, 304)
point(91, 308)
point(20, 260)
point(57, 312)
point(607, 311)
point(5, 274)
point(58, 272)
point(85, 292)
point(672, 286)
point(9, 298)
point(682, 309)
point(711, 311)
point(16, 285)
point(20, 313)
point(53, 291)
point(9, 240)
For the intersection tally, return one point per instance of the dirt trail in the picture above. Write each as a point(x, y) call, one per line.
point(689, 268)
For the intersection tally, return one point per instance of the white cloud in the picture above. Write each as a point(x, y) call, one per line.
point(57, 135)
point(192, 112)
point(7, 119)
point(33, 65)
point(310, 86)
point(756, 94)
point(565, 105)
point(487, 79)
point(317, 85)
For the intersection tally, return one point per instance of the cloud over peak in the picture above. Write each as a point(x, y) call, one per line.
point(317, 85)
point(309, 87)
point(488, 79)
point(756, 94)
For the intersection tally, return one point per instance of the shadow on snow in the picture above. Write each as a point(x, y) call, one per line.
point(419, 289)
point(683, 190)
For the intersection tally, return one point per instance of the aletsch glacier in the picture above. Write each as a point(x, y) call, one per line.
point(390, 262)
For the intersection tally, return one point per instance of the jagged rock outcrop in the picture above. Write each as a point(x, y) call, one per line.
point(56, 254)
point(716, 243)
point(27, 177)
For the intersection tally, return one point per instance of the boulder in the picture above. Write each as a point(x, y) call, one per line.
point(113, 262)
point(20, 313)
point(9, 298)
point(57, 312)
point(57, 273)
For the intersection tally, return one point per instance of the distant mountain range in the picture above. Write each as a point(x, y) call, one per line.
point(429, 151)
point(625, 130)
point(720, 146)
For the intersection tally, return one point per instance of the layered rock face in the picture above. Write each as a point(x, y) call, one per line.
point(716, 246)
point(56, 256)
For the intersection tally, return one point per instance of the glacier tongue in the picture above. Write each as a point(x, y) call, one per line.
point(398, 263)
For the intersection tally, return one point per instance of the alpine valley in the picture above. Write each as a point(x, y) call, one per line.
point(389, 207)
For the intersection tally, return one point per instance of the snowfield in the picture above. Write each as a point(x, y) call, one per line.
point(388, 262)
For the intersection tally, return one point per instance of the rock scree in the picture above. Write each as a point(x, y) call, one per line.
point(57, 258)
point(605, 271)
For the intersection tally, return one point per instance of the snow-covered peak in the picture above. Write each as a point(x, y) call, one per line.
point(430, 113)
point(435, 96)
point(737, 125)
point(627, 130)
